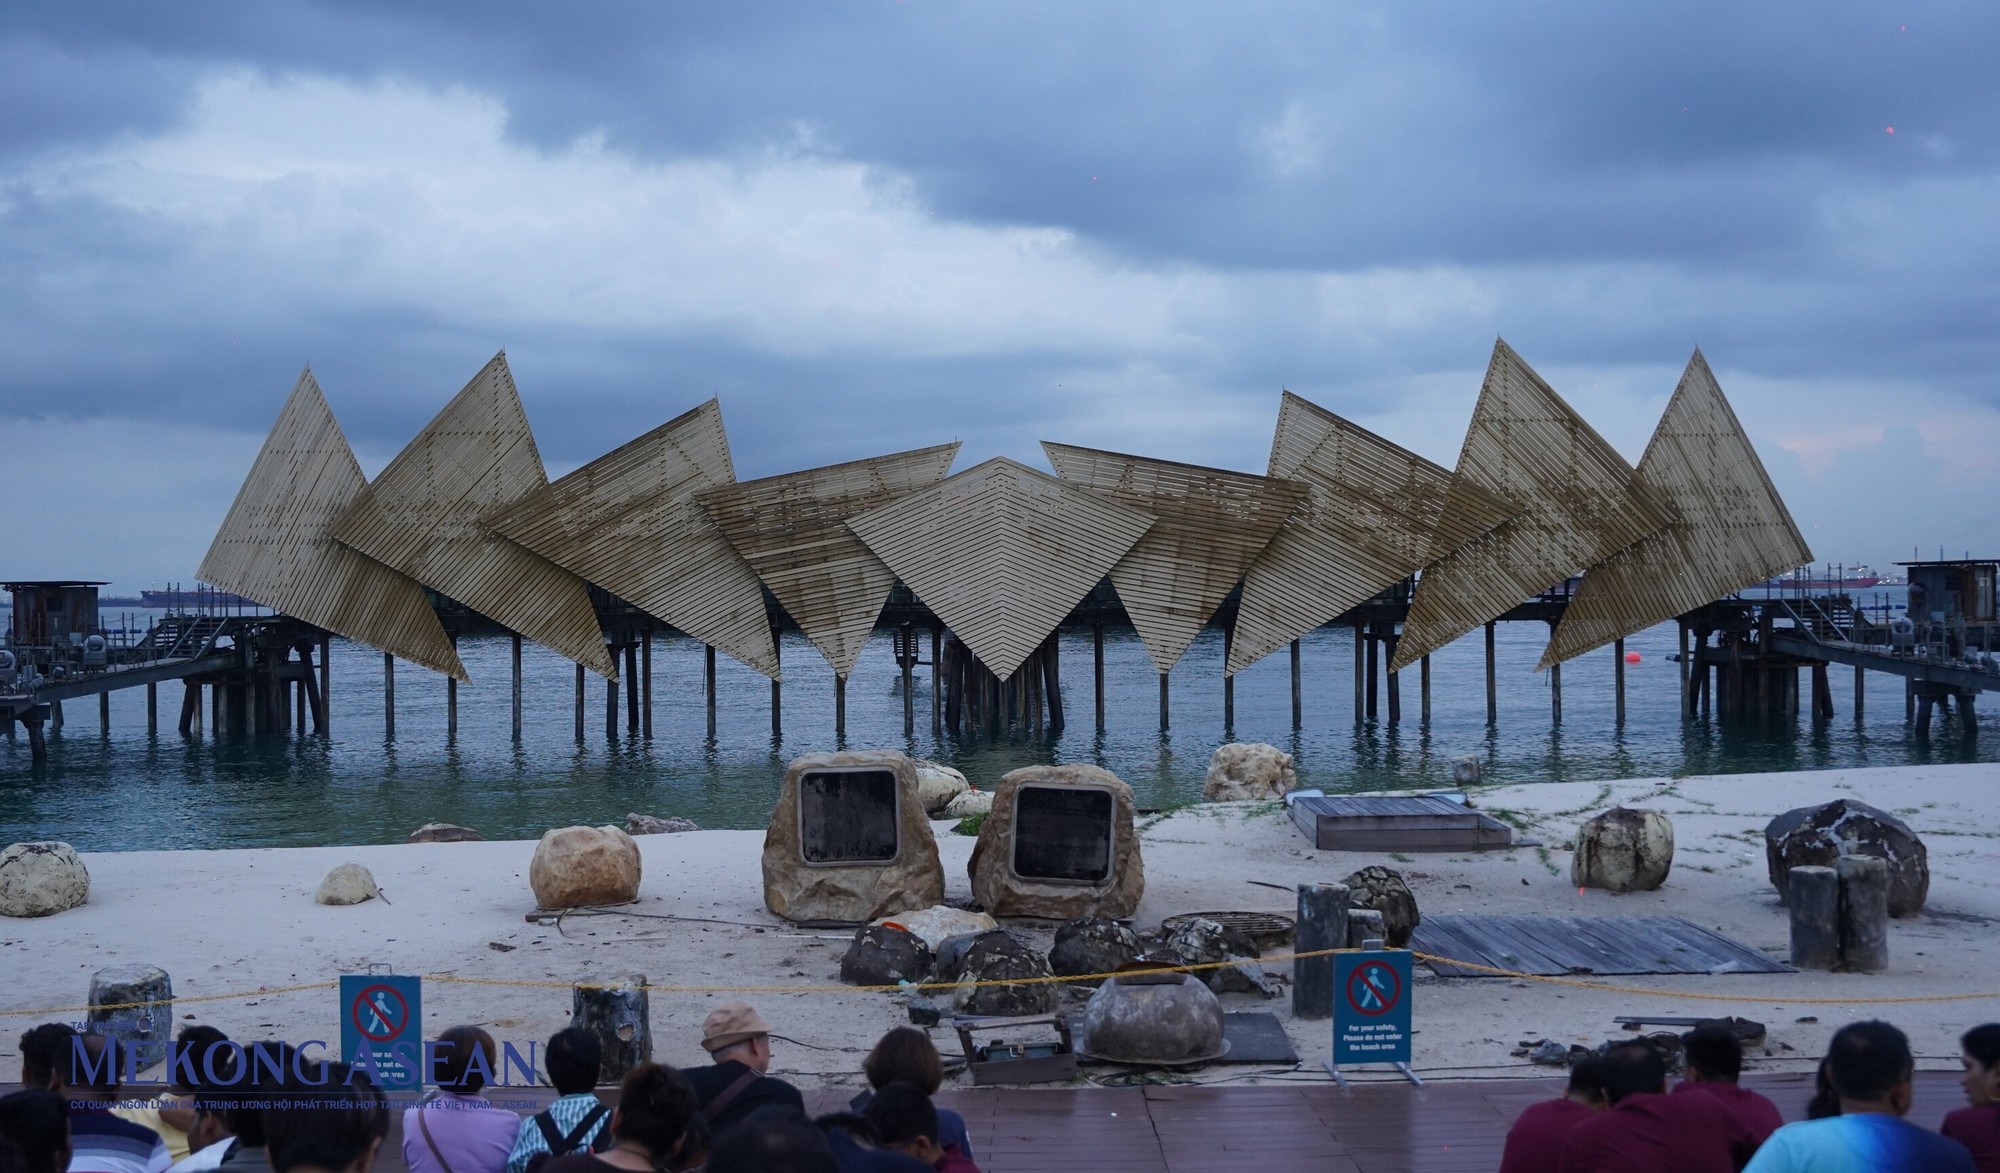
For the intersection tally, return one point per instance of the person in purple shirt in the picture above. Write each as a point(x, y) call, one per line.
point(1714, 1063)
point(1535, 1142)
point(1977, 1127)
point(458, 1130)
point(1646, 1130)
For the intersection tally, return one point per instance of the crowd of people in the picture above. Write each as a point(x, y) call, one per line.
point(267, 1108)
point(1618, 1114)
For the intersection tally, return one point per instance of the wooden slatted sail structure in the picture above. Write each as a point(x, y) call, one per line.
point(423, 516)
point(1374, 514)
point(1211, 524)
point(276, 546)
point(1573, 501)
point(1731, 529)
point(630, 522)
point(1001, 553)
point(791, 530)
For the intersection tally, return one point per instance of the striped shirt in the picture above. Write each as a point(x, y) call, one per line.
point(567, 1112)
point(102, 1143)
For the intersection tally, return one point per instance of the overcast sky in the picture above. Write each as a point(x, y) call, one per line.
point(873, 226)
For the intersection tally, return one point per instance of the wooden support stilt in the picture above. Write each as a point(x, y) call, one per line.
point(708, 684)
point(299, 695)
point(152, 711)
point(611, 700)
point(1393, 678)
point(1097, 662)
point(1374, 675)
point(55, 716)
point(1860, 692)
point(1909, 701)
point(190, 707)
point(38, 743)
point(104, 713)
point(1228, 685)
point(646, 682)
point(1360, 677)
point(906, 648)
point(631, 687)
point(515, 652)
point(937, 679)
point(1052, 684)
point(1492, 680)
point(839, 705)
point(388, 696)
point(1298, 691)
point(579, 704)
point(451, 701)
point(1556, 693)
point(1424, 688)
point(1618, 680)
point(315, 702)
point(1924, 706)
point(1164, 706)
point(323, 722)
point(777, 691)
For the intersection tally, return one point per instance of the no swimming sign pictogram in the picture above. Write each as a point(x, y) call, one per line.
point(1371, 1008)
point(382, 1027)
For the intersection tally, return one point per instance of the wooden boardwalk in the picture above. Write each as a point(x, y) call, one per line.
point(1554, 945)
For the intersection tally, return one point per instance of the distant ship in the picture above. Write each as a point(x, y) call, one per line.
point(1852, 578)
point(174, 600)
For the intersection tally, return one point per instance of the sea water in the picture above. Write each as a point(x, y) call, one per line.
point(126, 789)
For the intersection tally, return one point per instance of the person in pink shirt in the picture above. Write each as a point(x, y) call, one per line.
point(459, 1130)
point(1535, 1142)
point(1714, 1063)
point(1645, 1130)
point(1977, 1127)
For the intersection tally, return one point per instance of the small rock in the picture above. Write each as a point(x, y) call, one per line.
point(972, 802)
point(1091, 944)
point(1465, 770)
point(1205, 942)
point(500, 947)
point(1623, 850)
point(936, 924)
point(41, 879)
point(882, 955)
point(1248, 770)
point(350, 883)
point(638, 824)
point(924, 1011)
point(938, 785)
point(1385, 891)
point(998, 956)
point(1549, 1053)
point(445, 833)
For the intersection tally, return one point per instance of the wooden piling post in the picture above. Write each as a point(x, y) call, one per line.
point(1492, 680)
point(1374, 680)
point(315, 702)
point(1687, 697)
point(190, 707)
point(451, 701)
point(1163, 702)
point(1322, 924)
point(324, 720)
point(388, 697)
point(1618, 679)
point(1360, 677)
point(646, 681)
point(104, 712)
point(516, 660)
point(38, 743)
point(152, 710)
point(1864, 912)
point(1812, 896)
point(298, 695)
point(579, 704)
point(1228, 682)
point(906, 648)
point(777, 690)
point(1394, 681)
point(56, 717)
point(611, 701)
point(1556, 692)
point(708, 685)
point(1052, 684)
point(1424, 688)
point(937, 679)
point(1097, 661)
point(1298, 691)
point(631, 687)
point(1860, 691)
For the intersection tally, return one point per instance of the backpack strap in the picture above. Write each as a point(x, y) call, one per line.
point(720, 1104)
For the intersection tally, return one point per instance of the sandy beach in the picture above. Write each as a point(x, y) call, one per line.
point(228, 922)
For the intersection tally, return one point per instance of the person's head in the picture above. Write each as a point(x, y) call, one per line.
point(328, 1120)
point(772, 1140)
point(906, 1054)
point(573, 1057)
point(1869, 1065)
point(208, 1115)
point(1632, 1068)
point(906, 1120)
point(655, 1105)
point(263, 1075)
point(464, 1062)
point(1714, 1053)
point(1586, 1081)
point(45, 1056)
point(1825, 1101)
point(694, 1146)
point(195, 1041)
point(37, 1121)
point(1981, 1047)
point(94, 1067)
point(733, 1031)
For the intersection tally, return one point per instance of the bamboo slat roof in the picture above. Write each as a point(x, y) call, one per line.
point(1373, 515)
point(629, 521)
point(1573, 502)
point(1211, 523)
point(276, 547)
point(423, 517)
point(792, 531)
point(1730, 529)
point(1001, 553)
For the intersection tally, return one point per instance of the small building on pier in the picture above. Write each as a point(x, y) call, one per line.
point(51, 612)
point(1950, 590)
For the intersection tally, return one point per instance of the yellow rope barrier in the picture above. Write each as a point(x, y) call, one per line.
point(1494, 971)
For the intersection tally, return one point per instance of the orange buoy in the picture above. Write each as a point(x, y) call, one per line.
point(1631, 657)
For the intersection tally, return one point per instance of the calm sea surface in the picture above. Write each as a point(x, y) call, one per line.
point(127, 790)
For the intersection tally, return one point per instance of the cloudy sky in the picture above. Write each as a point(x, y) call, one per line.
point(870, 226)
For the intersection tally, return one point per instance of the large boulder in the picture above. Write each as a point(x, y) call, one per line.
point(350, 883)
point(1246, 770)
point(799, 888)
point(997, 956)
point(41, 879)
point(972, 802)
point(1062, 830)
point(1151, 1018)
point(576, 867)
point(445, 833)
point(935, 925)
point(937, 785)
point(1385, 891)
point(1092, 945)
point(1820, 835)
point(882, 955)
point(1207, 943)
point(1623, 850)
point(638, 824)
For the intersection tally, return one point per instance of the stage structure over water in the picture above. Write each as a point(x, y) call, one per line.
point(993, 559)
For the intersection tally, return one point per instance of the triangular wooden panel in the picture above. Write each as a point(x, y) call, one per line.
point(1374, 514)
point(275, 547)
point(1001, 553)
point(1211, 524)
point(792, 531)
point(629, 522)
point(1731, 529)
point(422, 516)
point(1572, 497)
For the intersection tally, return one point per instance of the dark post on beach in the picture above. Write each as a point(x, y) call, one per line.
point(1322, 924)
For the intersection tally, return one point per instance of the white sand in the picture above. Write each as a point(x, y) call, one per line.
point(223, 921)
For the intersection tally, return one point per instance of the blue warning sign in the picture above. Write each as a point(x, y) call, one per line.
point(382, 1027)
point(1371, 1006)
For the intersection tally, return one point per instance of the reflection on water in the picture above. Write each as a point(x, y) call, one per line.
point(130, 791)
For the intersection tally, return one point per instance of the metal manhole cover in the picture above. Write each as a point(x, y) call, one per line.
point(1265, 928)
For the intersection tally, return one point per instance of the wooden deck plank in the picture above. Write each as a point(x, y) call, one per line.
point(1600, 945)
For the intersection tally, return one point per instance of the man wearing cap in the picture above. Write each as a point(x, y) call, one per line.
point(735, 1084)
